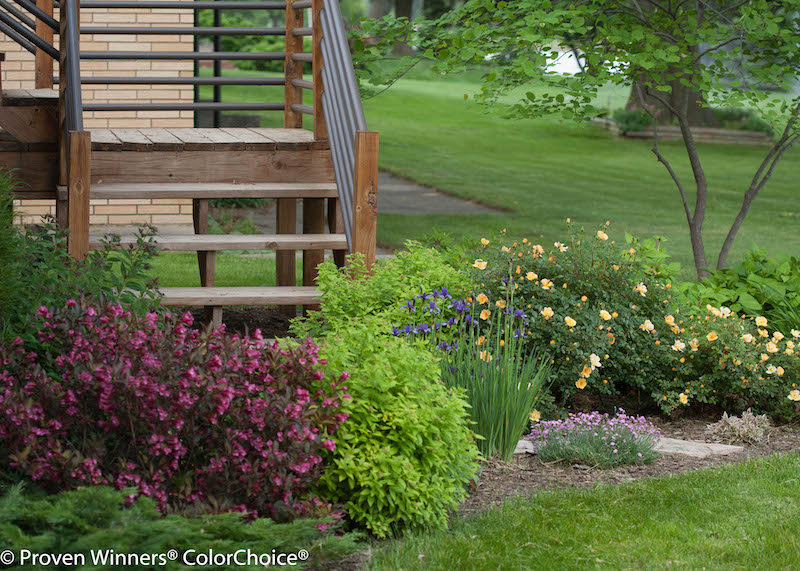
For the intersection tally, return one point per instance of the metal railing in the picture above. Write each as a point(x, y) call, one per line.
point(341, 102)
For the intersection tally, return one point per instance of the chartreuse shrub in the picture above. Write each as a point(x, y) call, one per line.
point(482, 352)
point(405, 455)
point(352, 293)
point(101, 518)
point(197, 421)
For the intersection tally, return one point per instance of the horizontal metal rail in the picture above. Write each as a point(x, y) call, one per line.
point(300, 108)
point(39, 13)
point(303, 83)
point(18, 14)
point(209, 31)
point(302, 56)
point(18, 38)
point(303, 32)
point(190, 5)
point(261, 56)
point(94, 80)
point(26, 33)
point(301, 4)
point(199, 106)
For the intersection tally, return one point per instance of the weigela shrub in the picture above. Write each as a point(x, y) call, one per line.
point(196, 421)
point(353, 293)
point(406, 454)
point(585, 299)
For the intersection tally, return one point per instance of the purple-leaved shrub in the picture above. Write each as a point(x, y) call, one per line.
point(198, 421)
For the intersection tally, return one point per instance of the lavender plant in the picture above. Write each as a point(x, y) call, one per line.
point(597, 439)
point(483, 354)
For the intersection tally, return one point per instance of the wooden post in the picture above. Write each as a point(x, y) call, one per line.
point(2, 59)
point(62, 216)
point(44, 63)
point(206, 261)
point(336, 226)
point(365, 196)
point(320, 129)
point(292, 69)
point(313, 223)
point(80, 155)
point(284, 259)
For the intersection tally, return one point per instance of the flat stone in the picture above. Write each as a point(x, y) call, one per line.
point(695, 449)
point(524, 447)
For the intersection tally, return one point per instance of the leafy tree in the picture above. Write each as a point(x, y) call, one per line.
point(678, 55)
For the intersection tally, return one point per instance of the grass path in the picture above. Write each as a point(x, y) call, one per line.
point(741, 516)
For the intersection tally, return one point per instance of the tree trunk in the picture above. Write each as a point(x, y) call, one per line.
point(403, 9)
point(698, 114)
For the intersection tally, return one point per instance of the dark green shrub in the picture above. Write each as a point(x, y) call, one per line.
point(45, 274)
point(405, 455)
point(97, 518)
point(629, 120)
point(9, 242)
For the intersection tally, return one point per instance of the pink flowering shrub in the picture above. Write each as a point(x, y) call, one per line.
point(195, 420)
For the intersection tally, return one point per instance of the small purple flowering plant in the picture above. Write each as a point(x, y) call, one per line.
point(597, 439)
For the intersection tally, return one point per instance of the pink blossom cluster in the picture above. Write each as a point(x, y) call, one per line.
point(195, 420)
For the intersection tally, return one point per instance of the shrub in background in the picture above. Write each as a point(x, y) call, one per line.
point(758, 285)
point(44, 274)
point(483, 353)
point(352, 293)
point(406, 454)
point(9, 243)
point(101, 518)
point(197, 421)
point(630, 120)
point(597, 439)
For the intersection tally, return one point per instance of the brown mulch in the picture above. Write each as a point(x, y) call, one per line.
point(526, 474)
point(245, 320)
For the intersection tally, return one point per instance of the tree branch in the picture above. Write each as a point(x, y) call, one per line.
point(687, 209)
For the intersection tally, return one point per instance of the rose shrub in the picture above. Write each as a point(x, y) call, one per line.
point(195, 420)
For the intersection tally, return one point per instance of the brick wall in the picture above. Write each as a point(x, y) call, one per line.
point(18, 73)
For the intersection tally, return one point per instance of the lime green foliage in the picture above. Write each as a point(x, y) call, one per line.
point(629, 120)
point(95, 518)
point(743, 516)
point(405, 455)
point(744, 119)
point(758, 285)
point(351, 293)
point(9, 241)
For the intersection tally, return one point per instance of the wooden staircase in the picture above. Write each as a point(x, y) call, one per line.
point(335, 178)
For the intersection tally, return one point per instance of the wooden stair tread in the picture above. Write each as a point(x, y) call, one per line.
point(204, 139)
point(222, 296)
point(221, 242)
point(210, 190)
point(29, 97)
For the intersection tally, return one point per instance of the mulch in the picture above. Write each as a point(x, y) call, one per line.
point(245, 320)
point(526, 474)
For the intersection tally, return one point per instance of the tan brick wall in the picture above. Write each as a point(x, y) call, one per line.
point(18, 73)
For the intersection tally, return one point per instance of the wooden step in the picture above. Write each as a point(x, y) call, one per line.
point(224, 296)
point(222, 242)
point(30, 97)
point(209, 190)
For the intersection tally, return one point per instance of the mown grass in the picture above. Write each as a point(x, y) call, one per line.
point(742, 516)
point(543, 171)
point(179, 269)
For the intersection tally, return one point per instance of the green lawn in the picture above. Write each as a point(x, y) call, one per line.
point(743, 516)
point(543, 171)
point(179, 269)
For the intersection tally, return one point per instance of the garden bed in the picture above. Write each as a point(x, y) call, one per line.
point(527, 474)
